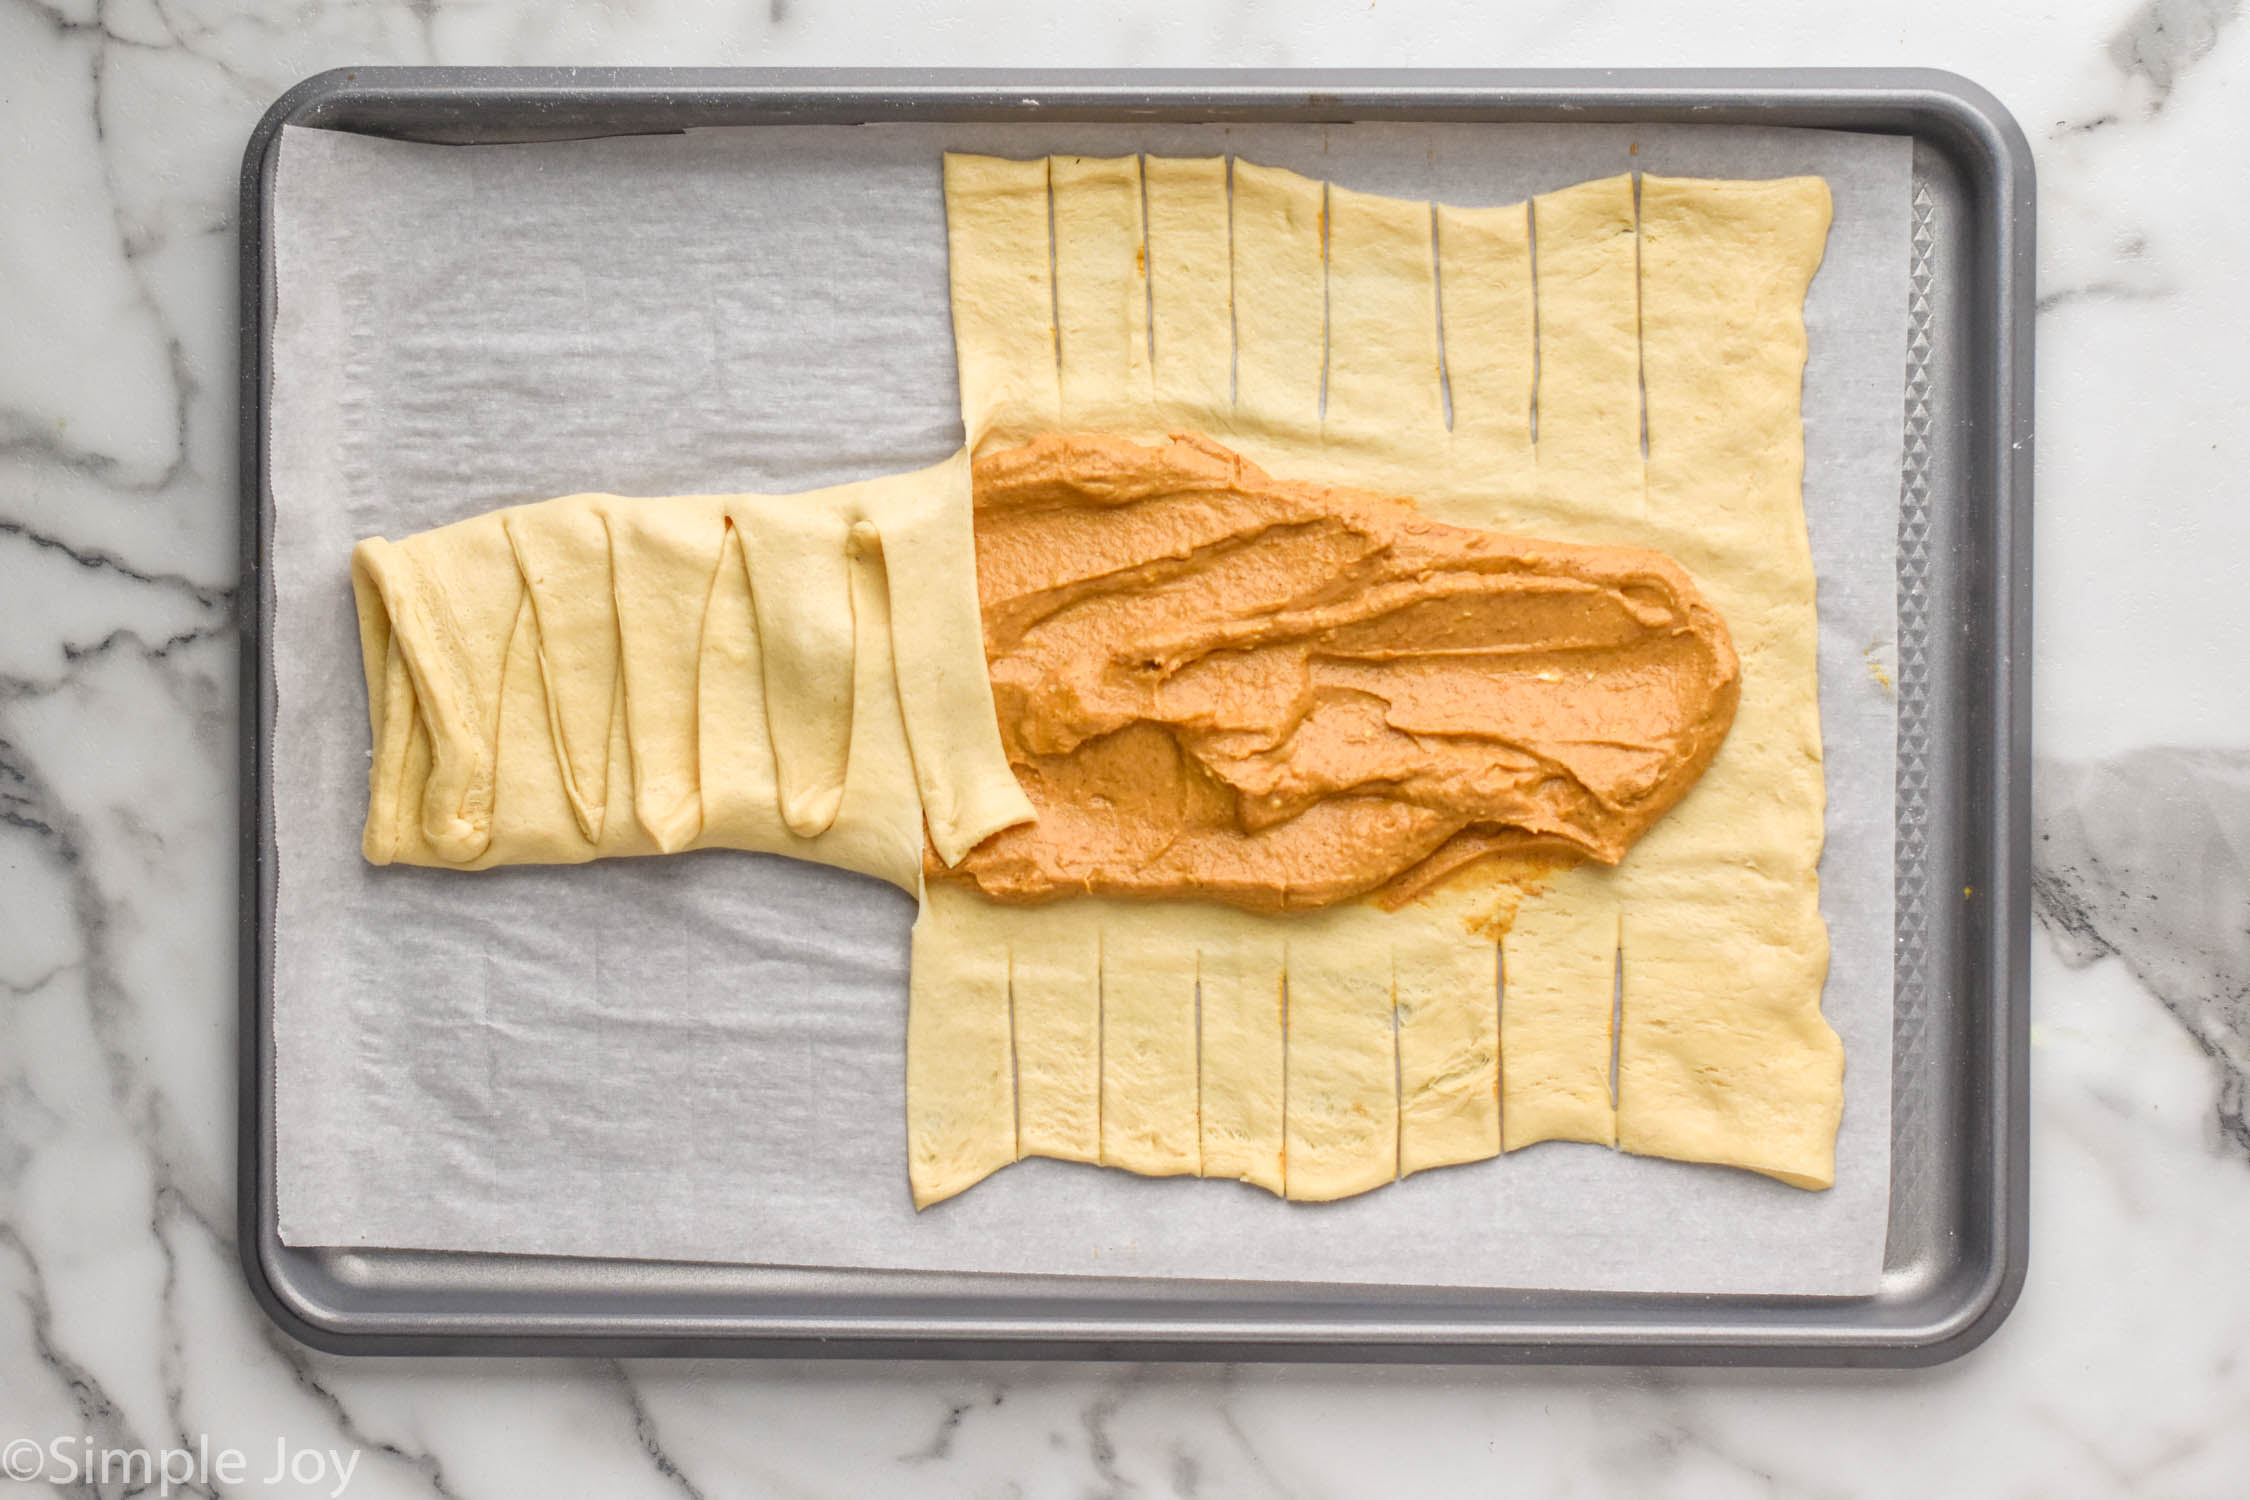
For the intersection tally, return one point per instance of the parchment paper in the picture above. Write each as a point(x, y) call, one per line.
point(701, 1057)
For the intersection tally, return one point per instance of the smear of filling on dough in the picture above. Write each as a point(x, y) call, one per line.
point(1214, 683)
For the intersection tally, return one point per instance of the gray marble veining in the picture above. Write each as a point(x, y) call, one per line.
point(2146, 856)
point(2164, 38)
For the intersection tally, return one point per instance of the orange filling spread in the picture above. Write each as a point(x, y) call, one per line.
point(1212, 683)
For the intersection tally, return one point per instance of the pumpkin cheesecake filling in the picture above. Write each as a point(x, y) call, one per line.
point(1213, 683)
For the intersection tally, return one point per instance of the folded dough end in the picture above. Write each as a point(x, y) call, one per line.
point(389, 707)
point(810, 811)
point(433, 676)
point(919, 527)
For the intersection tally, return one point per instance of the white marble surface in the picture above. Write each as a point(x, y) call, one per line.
point(123, 1321)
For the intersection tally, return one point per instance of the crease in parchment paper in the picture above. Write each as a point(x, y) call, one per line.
point(701, 1057)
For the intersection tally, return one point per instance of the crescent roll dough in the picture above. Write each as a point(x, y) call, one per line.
point(596, 675)
point(1619, 362)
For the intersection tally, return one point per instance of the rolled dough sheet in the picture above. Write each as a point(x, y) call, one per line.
point(1663, 411)
point(699, 1057)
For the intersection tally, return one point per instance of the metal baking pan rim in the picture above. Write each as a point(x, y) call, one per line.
point(1911, 1322)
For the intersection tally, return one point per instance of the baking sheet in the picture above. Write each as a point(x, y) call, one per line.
point(701, 1057)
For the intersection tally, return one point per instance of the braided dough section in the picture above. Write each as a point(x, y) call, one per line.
point(1499, 365)
point(595, 675)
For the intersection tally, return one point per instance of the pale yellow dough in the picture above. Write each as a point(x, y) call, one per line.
point(1337, 1050)
point(595, 675)
point(804, 674)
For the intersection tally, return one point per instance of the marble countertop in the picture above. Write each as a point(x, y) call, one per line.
point(124, 1323)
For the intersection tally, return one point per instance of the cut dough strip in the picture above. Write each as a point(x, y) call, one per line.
point(1101, 291)
point(1242, 995)
point(1558, 979)
point(1055, 990)
point(1447, 995)
point(662, 559)
point(960, 1076)
point(1342, 1062)
point(801, 593)
point(1385, 380)
point(1484, 269)
point(1150, 1109)
point(999, 244)
point(1723, 1055)
point(1280, 301)
point(1191, 287)
point(565, 566)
